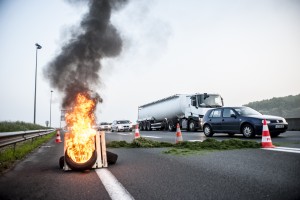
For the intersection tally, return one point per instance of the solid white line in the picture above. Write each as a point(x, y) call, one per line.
point(150, 136)
point(282, 150)
point(288, 148)
point(114, 188)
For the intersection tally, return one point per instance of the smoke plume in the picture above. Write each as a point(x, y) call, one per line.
point(76, 68)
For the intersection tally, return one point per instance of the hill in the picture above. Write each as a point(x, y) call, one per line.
point(288, 107)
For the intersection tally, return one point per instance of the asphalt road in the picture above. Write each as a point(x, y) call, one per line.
point(151, 174)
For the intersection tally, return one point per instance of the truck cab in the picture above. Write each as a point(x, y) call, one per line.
point(199, 105)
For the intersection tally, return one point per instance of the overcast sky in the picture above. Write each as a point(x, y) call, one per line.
point(245, 50)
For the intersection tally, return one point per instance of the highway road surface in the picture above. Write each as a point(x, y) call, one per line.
point(150, 174)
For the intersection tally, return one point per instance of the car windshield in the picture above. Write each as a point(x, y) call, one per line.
point(104, 123)
point(245, 111)
point(123, 122)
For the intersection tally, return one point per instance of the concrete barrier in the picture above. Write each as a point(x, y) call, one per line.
point(294, 124)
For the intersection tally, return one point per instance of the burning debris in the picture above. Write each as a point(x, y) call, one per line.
point(75, 71)
point(81, 136)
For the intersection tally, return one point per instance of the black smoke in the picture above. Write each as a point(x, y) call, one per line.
point(76, 68)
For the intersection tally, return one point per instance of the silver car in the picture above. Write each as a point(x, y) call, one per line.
point(105, 126)
point(121, 125)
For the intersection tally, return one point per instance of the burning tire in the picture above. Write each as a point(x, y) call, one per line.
point(81, 166)
point(111, 159)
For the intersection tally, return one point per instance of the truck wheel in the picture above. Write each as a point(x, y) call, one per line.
point(171, 126)
point(208, 132)
point(141, 126)
point(192, 126)
point(164, 125)
point(148, 126)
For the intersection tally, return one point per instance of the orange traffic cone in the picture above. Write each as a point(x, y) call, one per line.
point(58, 139)
point(178, 134)
point(137, 132)
point(266, 141)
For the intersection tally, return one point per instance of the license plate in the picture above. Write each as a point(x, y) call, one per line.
point(279, 126)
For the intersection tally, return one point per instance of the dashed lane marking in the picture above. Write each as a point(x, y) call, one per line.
point(114, 188)
point(125, 133)
point(150, 136)
point(195, 140)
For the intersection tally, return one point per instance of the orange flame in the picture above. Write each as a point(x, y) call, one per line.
point(81, 142)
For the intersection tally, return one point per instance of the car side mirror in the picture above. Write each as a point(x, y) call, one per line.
point(233, 115)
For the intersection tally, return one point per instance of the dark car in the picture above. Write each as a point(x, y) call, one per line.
point(244, 120)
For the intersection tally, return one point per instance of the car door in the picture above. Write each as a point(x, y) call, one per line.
point(216, 120)
point(230, 122)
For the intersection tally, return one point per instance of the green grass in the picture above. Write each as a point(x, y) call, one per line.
point(186, 152)
point(8, 126)
point(186, 148)
point(138, 143)
point(9, 155)
point(209, 145)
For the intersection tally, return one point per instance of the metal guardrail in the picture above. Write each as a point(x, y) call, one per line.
point(294, 124)
point(10, 138)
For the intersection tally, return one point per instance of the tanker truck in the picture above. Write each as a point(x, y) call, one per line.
point(185, 109)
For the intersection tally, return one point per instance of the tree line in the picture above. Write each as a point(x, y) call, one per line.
point(287, 107)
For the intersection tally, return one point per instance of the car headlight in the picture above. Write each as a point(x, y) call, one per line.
point(268, 121)
point(283, 120)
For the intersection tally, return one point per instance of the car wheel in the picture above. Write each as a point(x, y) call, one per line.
point(275, 134)
point(248, 131)
point(192, 126)
point(208, 132)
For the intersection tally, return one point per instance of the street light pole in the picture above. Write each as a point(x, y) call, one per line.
point(50, 107)
point(37, 47)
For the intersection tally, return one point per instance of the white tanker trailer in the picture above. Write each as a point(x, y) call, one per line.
point(187, 110)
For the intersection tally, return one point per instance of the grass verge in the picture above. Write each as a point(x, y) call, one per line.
point(185, 148)
point(9, 156)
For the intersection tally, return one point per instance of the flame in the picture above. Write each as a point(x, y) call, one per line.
point(81, 142)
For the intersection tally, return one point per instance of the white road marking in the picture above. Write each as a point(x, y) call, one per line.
point(124, 133)
point(284, 149)
point(150, 136)
point(114, 188)
point(195, 140)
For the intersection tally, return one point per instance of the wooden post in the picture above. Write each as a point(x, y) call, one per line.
point(103, 148)
point(98, 147)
